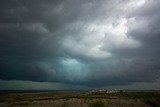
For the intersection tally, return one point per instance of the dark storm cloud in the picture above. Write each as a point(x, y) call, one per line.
point(85, 42)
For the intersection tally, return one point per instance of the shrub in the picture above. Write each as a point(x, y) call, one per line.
point(97, 103)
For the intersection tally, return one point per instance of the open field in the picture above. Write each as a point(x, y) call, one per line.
point(80, 99)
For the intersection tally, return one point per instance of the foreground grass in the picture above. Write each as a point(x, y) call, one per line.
point(80, 99)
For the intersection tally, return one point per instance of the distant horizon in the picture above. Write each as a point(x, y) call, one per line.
point(76, 90)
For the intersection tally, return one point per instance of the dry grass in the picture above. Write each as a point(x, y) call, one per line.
point(79, 100)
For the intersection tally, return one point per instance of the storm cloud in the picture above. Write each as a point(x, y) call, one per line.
point(91, 43)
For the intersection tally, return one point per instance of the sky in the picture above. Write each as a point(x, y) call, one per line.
point(79, 44)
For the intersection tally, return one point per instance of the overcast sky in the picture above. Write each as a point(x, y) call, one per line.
point(79, 44)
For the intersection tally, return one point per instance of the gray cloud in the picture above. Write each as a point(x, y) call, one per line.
point(81, 42)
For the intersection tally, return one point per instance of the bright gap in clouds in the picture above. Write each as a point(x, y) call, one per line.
point(97, 39)
point(133, 4)
point(139, 3)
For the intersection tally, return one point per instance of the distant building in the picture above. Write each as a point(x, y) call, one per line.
point(104, 91)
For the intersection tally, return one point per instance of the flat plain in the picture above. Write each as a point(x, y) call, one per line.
point(80, 99)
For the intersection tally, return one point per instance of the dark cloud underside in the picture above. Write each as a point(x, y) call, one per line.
point(80, 42)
